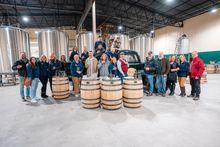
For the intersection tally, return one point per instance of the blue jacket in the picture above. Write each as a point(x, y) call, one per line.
point(33, 72)
point(54, 66)
point(111, 71)
point(111, 55)
point(74, 67)
point(44, 69)
point(183, 69)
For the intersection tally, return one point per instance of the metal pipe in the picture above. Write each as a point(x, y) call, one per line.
point(94, 22)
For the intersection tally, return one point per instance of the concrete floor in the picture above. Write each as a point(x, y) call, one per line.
point(161, 122)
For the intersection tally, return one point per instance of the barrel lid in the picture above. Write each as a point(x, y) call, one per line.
point(112, 79)
point(129, 78)
point(90, 79)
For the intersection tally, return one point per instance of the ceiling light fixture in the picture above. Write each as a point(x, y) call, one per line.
point(214, 10)
point(25, 18)
point(169, 1)
point(120, 27)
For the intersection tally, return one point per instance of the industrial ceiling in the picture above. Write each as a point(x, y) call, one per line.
point(136, 16)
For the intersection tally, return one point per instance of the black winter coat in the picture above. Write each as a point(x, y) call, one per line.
point(172, 76)
point(23, 70)
point(150, 63)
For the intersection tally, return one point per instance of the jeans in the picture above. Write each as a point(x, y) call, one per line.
point(161, 84)
point(34, 85)
point(122, 77)
point(150, 81)
point(196, 87)
point(22, 87)
point(43, 80)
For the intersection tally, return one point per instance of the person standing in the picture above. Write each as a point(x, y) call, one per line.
point(113, 69)
point(149, 69)
point(63, 64)
point(182, 74)
point(54, 67)
point(20, 66)
point(196, 70)
point(100, 42)
point(122, 65)
point(99, 51)
point(76, 69)
point(103, 66)
point(162, 70)
point(112, 53)
point(44, 75)
point(33, 73)
point(73, 53)
point(84, 56)
point(91, 66)
point(172, 75)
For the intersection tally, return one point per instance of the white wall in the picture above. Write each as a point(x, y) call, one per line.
point(203, 32)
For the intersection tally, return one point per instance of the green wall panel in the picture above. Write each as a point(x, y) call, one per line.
point(206, 56)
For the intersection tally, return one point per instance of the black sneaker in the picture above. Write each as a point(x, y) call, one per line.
point(190, 95)
point(163, 95)
point(28, 98)
point(196, 98)
point(23, 99)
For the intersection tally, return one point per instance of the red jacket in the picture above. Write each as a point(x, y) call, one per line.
point(124, 66)
point(197, 68)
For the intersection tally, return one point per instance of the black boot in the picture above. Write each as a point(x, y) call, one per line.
point(172, 88)
point(184, 91)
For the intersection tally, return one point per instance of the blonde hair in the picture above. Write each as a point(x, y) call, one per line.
point(184, 58)
point(43, 56)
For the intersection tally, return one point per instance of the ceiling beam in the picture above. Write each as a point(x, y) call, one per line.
point(85, 13)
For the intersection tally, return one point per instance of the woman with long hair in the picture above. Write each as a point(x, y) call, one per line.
point(113, 70)
point(182, 74)
point(44, 75)
point(103, 66)
point(33, 75)
point(172, 75)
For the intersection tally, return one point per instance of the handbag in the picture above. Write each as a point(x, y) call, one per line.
point(27, 81)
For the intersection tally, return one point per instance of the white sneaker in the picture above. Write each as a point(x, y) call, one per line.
point(38, 98)
point(33, 101)
point(76, 95)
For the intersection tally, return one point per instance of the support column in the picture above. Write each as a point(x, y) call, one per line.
point(93, 22)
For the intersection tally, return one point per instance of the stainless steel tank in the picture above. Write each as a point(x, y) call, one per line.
point(12, 42)
point(140, 44)
point(85, 39)
point(53, 41)
point(184, 45)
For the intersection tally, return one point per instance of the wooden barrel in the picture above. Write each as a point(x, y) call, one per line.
point(132, 92)
point(60, 87)
point(111, 94)
point(90, 93)
point(210, 69)
point(217, 69)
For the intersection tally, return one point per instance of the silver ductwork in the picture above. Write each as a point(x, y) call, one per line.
point(12, 42)
point(53, 41)
point(141, 44)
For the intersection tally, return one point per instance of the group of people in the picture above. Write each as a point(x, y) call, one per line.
point(35, 71)
point(85, 64)
point(110, 64)
point(168, 71)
